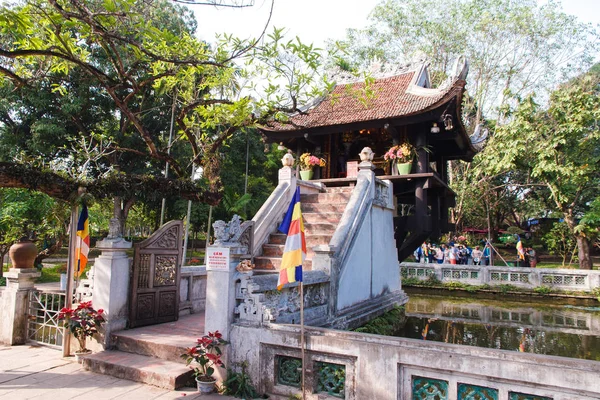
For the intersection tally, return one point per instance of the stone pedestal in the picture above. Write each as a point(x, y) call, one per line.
point(19, 282)
point(111, 286)
point(220, 297)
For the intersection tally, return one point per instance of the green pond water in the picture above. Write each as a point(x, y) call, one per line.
point(541, 328)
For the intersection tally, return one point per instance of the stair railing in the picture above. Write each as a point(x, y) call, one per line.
point(272, 211)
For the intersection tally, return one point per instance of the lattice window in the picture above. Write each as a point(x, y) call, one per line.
point(514, 277)
point(580, 280)
point(289, 371)
point(568, 280)
point(525, 396)
point(456, 274)
point(430, 272)
point(557, 280)
point(464, 274)
point(495, 276)
point(504, 276)
point(569, 321)
point(559, 320)
point(447, 273)
point(331, 379)
point(473, 392)
point(412, 271)
point(429, 389)
point(495, 314)
point(547, 279)
point(474, 275)
point(524, 278)
point(420, 272)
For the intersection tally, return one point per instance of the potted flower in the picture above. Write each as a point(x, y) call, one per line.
point(206, 355)
point(83, 322)
point(403, 155)
point(307, 163)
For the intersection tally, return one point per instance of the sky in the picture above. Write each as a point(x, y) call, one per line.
point(315, 21)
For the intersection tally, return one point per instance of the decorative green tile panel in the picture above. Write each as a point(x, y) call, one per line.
point(331, 379)
point(289, 371)
point(524, 396)
point(429, 389)
point(473, 392)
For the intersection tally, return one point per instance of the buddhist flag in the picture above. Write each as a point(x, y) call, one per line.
point(520, 250)
point(82, 248)
point(294, 252)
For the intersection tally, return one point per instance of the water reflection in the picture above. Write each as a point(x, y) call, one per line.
point(559, 330)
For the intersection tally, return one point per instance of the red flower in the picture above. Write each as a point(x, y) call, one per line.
point(205, 341)
point(215, 358)
point(217, 334)
point(191, 351)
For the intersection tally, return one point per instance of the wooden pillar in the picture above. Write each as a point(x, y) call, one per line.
point(422, 154)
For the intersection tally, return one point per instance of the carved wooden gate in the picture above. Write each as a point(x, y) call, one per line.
point(156, 275)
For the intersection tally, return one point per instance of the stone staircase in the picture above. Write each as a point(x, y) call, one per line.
point(322, 213)
point(151, 354)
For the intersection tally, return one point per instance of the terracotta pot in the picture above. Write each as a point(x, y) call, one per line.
point(205, 386)
point(306, 175)
point(23, 253)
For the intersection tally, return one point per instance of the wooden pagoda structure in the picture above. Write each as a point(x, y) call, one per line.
point(402, 107)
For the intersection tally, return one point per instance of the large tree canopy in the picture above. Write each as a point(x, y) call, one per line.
point(558, 148)
point(110, 73)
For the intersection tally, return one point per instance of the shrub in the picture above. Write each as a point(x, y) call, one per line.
point(544, 290)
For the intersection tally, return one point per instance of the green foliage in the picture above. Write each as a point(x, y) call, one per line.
point(560, 241)
point(543, 290)
point(596, 292)
point(239, 384)
point(505, 288)
point(52, 274)
point(2, 281)
point(410, 281)
point(386, 324)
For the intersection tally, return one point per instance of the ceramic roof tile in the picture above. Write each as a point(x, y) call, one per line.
point(348, 104)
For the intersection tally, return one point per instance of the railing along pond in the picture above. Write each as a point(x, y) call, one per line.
point(564, 279)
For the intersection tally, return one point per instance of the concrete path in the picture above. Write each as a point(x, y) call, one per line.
point(28, 372)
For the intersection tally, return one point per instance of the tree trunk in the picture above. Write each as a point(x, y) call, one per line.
point(583, 252)
point(50, 250)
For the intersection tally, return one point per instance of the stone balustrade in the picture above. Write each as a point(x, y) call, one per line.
point(192, 290)
point(562, 279)
point(351, 365)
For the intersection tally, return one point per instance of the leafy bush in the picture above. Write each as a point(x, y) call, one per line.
point(543, 290)
point(507, 288)
point(2, 281)
point(386, 324)
point(239, 384)
point(411, 281)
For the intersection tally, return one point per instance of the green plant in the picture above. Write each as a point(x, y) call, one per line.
point(543, 290)
point(432, 280)
point(2, 281)
point(239, 384)
point(386, 324)
point(82, 322)
point(411, 281)
point(207, 355)
point(507, 288)
point(596, 292)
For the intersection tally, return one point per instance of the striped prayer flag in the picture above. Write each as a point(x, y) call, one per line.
point(82, 248)
point(294, 252)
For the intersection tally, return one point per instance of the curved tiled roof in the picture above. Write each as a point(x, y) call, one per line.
point(392, 97)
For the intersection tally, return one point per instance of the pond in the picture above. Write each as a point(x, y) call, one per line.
point(517, 325)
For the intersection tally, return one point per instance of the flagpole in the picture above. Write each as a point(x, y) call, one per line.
point(66, 342)
point(302, 343)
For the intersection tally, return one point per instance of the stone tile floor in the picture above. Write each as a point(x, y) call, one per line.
point(31, 372)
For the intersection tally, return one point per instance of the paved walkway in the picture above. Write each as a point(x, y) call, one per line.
point(28, 372)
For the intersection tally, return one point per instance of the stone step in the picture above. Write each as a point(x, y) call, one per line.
point(139, 368)
point(276, 250)
point(319, 228)
point(325, 217)
point(324, 207)
point(325, 198)
point(340, 189)
point(273, 263)
point(168, 349)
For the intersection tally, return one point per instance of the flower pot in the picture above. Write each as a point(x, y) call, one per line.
point(79, 355)
point(22, 254)
point(404, 168)
point(306, 175)
point(205, 387)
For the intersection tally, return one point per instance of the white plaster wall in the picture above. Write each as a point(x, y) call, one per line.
point(355, 276)
point(385, 273)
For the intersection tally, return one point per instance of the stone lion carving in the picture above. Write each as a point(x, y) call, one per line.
point(233, 232)
point(366, 154)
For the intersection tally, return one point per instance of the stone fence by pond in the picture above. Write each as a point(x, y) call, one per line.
point(562, 279)
point(357, 366)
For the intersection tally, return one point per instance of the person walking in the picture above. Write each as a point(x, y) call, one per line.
point(477, 256)
point(439, 254)
point(532, 257)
